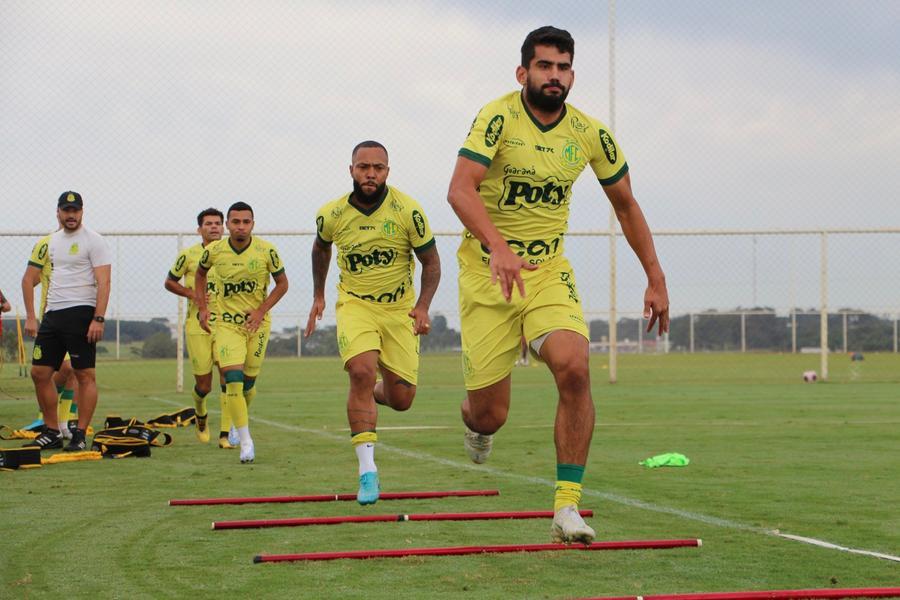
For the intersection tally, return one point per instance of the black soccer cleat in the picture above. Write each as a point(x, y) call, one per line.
point(77, 443)
point(48, 439)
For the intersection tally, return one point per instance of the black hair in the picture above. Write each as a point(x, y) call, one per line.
point(368, 144)
point(209, 212)
point(547, 36)
point(240, 206)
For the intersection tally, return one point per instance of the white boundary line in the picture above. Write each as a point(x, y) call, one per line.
point(692, 516)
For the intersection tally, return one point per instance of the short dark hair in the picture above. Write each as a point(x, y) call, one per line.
point(547, 36)
point(240, 206)
point(209, 212)
point(367, 144)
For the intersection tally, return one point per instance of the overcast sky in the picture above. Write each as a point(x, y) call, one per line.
point(732, 114)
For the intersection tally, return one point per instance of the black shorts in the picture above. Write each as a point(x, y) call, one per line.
point(64, 331)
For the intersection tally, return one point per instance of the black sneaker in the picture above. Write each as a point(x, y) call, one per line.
point(48, 439)
point(77, 443)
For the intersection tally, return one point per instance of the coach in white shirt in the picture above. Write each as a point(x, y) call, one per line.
point(73, 322)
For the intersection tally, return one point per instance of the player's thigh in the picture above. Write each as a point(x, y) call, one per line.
point(49, 345)
point(200, 350)
point(75, 327)
point(553, 304)
point(231, 347)
point(357, 328)
point(257, 342)
point(491, 331)
point(399, 346)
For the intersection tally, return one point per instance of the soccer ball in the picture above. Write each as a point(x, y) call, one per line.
point(810, 376)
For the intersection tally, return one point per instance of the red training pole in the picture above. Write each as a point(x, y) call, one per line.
point(331, 497)
point(891, 592)
point(303, 521)
point(463, 550)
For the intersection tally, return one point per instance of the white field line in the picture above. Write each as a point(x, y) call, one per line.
point(624, 500)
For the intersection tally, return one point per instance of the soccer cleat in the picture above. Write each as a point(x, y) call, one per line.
point(478, 446)
point(35, 425)
point(77, 443)
point(48, 439)
point(568, 527)
point(233, 438)
point(248, 455)
point(65, 430)
point(225, 443)
point(369, 488)
point(202, 430)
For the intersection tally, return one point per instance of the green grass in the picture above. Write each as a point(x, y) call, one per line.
point(768, 452)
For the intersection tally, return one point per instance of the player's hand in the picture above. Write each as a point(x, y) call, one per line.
point(656, 305)
point(254, 319)
point(421, 320)
point(203, 317)
point(315, 314)
point(31, 326)
point(94, 332)
point(506, 267)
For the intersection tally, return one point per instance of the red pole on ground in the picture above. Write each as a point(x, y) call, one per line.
point(892, 592)
point(302, 521)
point(332, 497)
point(462, 550)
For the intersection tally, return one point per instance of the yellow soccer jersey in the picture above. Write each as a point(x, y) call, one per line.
point(375, 248)
point(40, 258)
point(186, 266)
point(531, 169)
point(243, 277)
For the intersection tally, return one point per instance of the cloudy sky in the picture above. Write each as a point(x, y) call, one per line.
point(732, 115)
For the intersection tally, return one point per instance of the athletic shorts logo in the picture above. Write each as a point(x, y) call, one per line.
point(389, 229)
point(419, 222)
point(467, 364)
point(518, 191)
point(36, 353)
point(343, 342)
point(493, 131)
point(609, 146)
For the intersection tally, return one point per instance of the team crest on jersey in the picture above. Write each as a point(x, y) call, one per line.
point(609, 146)
point(389, 229)
point(252, 265)
point(73, 249)
point(571, 154)
point(493, 131)
point(36, 354)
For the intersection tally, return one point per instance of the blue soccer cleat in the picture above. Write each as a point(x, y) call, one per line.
point(369, 488)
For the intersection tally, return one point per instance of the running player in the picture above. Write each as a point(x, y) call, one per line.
point(376, 229)
point(244, 264)
point(511, 189)
point(201, 344)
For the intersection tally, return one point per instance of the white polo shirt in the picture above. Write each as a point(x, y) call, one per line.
point(73, 257)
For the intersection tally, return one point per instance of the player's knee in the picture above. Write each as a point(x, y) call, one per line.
point(40, 374)
point(402, 400)
point(573, 379)
point(361, 375)
point(85, 376)
point(484, 418)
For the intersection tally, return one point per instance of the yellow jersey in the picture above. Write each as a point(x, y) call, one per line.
point(40, 258)
point(530, 171)
point(186, 267)
point(375, 246)
point(243, 277)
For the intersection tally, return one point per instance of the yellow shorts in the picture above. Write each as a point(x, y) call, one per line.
point(364, 326)
point(237, 346)
point(201, 350)
point(492, 328)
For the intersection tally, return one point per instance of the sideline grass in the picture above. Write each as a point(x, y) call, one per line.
point(768, 452)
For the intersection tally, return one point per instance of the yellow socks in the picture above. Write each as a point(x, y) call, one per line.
point(568, 485)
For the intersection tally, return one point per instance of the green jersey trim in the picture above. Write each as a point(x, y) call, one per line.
point(241, 251)
point(541, 126)
point(368, 210)
point(425, 246)
point(474, 156)
point(31, 263)
point(174, 277)
point(323, 242)
point(278, 272)
point(616, 177)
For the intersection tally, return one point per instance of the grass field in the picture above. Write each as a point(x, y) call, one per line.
point(768, 453)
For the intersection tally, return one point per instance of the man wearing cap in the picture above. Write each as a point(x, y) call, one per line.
point(73, 322)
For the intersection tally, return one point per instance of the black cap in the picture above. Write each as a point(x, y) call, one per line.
point(70, 199)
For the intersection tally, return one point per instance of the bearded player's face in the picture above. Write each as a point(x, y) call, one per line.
point(548, 78)
point(69, 218)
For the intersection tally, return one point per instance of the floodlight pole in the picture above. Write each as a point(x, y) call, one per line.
point(613, 333)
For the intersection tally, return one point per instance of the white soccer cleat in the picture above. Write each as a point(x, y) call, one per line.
point(248, 455)
point(478, 446)
point(568, 527)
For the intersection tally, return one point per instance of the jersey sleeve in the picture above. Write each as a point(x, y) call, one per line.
point(273, 261)
point(325, 225)
point(607, 159)
point(180, 267)
point(100, 254)
point(484, 137)
point(40, 254)
point(420, 234)
point(206, 259)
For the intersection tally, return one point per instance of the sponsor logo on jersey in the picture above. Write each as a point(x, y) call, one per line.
point(571, 154)
point(42, 251)
point(609, 146)
point(73, 249)
point(247, 286)
point(514, 143)
point(357, 262)
point(535, 251)
point(540, 148)
point(367, 228)
point(320, 223)
point(389, 229)
point(493, 131)
point(276, 260)
point(549, 193)
point(419, 222)
point(578, 125)
point(386, 297)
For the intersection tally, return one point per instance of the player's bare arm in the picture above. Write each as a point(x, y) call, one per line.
point(321, 258)
point(256, 316)
point(30, 280)
point(506, 265)
point(178, 289)
point(431, 277)
point(103, 275)
point(637, 232)
point(200, 280)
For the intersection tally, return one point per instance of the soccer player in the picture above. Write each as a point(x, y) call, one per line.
point(200, 343)
point(244, 265)
point(511, 189)
point(74, 320)
point(4, 303)
point(376, 229)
